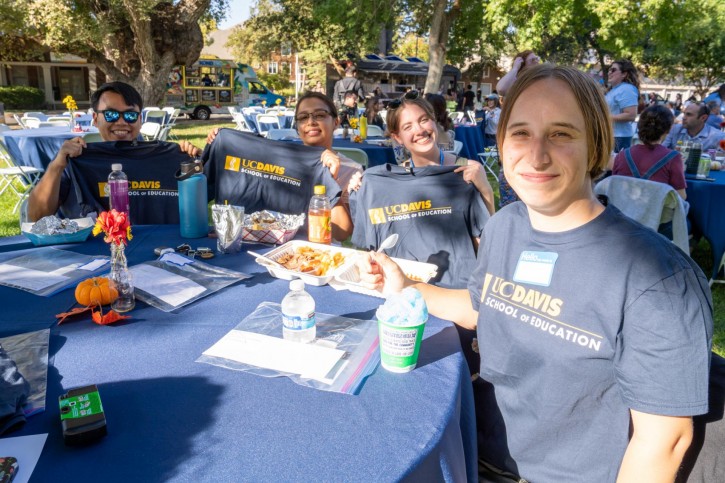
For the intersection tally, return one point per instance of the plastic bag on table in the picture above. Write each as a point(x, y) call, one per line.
point(29, 351)
point(46, 271)
point(173, 281)
point(358, 338)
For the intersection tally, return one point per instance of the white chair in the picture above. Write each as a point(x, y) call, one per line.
point(59, 120)
point(648, 202)
point(31, 122)
point(472, 116)
point(489, 160)
point(16, 177)
point(20, 121)
point(155, 115)
point(37, 114)
point(280, 134)
point(457, 146)
point(173, 114)
point(265, 122)
point(275, 110)
point(456, 117)
point(375, 131)
point(239, 120)
point(357, 155)
point(150, 131)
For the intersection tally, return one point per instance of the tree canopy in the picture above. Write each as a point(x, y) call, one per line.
point(136, 41)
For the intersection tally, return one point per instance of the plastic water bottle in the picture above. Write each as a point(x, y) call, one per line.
point(298, 314)
point(118, 188)
point(319, 217)
point(193, 211)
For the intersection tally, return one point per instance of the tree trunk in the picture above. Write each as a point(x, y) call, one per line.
point(440, 27)
point(147, 44)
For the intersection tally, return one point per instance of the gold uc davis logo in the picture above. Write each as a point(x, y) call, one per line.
point(232, 163)
point(377, 216)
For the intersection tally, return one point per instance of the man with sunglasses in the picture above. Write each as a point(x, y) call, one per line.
point(117, 115)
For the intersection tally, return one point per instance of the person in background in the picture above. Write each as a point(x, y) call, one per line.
point(522, 61)
point(493, 111)
point(714, 119)
point(206, 81)
point(622, 100)
point(582, 385)
point(348, 109)
point(117, 110)
point(378, 92)
point(651, 160)
point(373, 106)
point(318, 87)
point(718, 96)
point(446, 134)
point(349, 83)
point(469, 99)
point(678, 104)
point(694, 128)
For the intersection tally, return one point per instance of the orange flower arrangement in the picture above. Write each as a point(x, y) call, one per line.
point(115, 225)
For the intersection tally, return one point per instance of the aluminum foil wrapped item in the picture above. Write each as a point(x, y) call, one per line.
point(228, 223)
point(52, 225)
point(271, 227)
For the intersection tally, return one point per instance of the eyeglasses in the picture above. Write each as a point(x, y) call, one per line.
point(317, 116)
point(112, 115)
point(410, 95)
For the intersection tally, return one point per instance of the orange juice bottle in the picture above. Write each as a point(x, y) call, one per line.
point(320, 217)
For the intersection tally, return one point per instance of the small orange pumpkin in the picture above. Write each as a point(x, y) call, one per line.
point(96, 291)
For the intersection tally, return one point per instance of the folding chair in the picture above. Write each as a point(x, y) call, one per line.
point(265, 122)
point(16, 174)
point(489, 160)
point(20, 122)
point(240, 121)
point(357, 155)
point(172, 114)
point(457, 146)
point(150, 131)
point(375, 131)
point(281, 134)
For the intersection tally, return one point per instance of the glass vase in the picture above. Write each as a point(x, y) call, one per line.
point(121, 279)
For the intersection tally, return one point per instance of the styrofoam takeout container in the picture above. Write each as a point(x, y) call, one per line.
point(309, 279)
point(420, 271)
point(85, 226)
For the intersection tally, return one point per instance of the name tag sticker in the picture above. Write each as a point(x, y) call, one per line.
point(535, 268)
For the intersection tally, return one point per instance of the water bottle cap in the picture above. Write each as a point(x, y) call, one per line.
point(116, 167)
point(296, 285)
point(320, 189)
point(189, 168)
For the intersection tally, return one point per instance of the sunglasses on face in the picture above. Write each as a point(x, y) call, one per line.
point(317, 116)
point(112, 115)
point(410, 95)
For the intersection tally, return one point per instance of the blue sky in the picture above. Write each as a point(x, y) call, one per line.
point(238, 13)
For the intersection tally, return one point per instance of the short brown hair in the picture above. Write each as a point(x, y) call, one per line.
point(590, 100)
point(393, 117)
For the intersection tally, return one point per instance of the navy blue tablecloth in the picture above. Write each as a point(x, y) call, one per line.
point(707, 212)
point(172, 419)
point(472, 138)
point(37, 147)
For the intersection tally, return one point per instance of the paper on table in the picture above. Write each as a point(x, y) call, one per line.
point(310, 360)
point(26, 449)
point(28, 278)
point(169, 287)
point(94, 264)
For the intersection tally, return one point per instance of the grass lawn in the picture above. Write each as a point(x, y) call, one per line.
point(196, 131)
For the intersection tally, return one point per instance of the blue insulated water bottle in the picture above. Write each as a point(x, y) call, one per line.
point(193, 214)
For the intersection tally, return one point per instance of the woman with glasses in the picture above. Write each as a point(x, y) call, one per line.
point(596, 331)
point(623, 99)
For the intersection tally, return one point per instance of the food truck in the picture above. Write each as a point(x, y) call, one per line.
point(209, 86)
